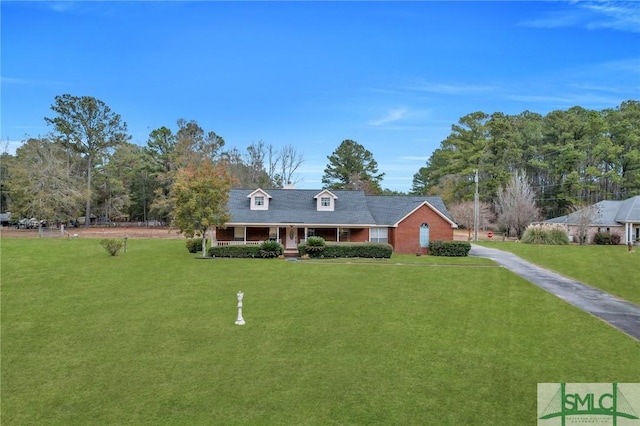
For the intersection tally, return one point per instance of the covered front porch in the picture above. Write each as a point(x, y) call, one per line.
point(289, 235)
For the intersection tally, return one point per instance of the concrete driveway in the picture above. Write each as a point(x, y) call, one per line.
point(623, 315)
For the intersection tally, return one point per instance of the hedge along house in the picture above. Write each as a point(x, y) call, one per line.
point(619, 217)
point(290, 216)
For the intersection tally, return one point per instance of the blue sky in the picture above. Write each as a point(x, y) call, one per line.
point(393, 76)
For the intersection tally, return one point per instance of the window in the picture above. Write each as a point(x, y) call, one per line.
point(273, 233)
point(325, 202)
point(379, 235)
point(424, 235)
point(238, 233)
point(259, 200)
point(344, 234)
point(311, 232)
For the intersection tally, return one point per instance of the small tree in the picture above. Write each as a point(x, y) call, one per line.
point(462, 213)
point(584, 217)
point(516, 206)
point(200, 195)
point(111, 245)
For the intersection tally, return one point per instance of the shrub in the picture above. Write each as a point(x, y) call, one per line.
point(270, 249)
point(315, 246)
point(241, 251)
point(345, 250)
point(545, 233)
point(606, 238)
point(534, 234)
point(112, 245)
point(558, 236)
point(194, 245)
point(615, 239)
point(449, 248)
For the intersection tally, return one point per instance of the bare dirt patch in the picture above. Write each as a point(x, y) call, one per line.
point(93, 232)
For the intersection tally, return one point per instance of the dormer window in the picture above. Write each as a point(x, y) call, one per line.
point(326, 201)
point(259, 200)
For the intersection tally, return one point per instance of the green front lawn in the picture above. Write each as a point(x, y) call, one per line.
point(148, 337)
point(610, 268)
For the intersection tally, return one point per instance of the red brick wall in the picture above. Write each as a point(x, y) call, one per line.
point(406, 237)
point(224, 234)
point(257, 234)
point(359, 235)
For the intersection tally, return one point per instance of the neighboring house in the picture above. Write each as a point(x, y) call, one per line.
point(621, 217)
point(291, 215)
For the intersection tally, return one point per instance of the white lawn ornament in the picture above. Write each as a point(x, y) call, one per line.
point(240, 320)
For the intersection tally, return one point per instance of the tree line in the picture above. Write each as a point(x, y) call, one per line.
point(87, 167)
point(570, 157)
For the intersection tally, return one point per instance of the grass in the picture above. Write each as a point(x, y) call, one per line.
point(609, 268)
point(148, 338)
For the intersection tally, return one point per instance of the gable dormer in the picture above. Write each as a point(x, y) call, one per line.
point(259, 200)
point(325, 201)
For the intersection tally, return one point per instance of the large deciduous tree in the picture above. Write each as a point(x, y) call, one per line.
point(199, 195)
point(515, 205)
point(88, 126)
point(44, 182)
point(352, 166)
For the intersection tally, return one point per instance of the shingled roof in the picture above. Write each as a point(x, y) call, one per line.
point(390, 209)
point(298, 206)
point(610, 213)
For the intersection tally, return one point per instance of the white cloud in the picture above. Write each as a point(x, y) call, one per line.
point(61, 6)
point(391, 116)
point(449, 89)
point(25, 81)
point(621, 16)
point(584, 99)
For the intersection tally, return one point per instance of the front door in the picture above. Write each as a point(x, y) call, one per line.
point(291, 242)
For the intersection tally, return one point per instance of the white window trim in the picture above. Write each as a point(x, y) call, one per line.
point(255, 195)
point(332, 201)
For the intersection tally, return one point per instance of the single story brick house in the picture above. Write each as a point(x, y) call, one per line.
point(621, 217)
point(289, 216)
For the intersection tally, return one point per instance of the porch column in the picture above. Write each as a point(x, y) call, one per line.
point(627, 233)
point(338, 235)
point(245, 235)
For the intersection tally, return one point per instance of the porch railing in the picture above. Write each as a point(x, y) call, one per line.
point(242, 243)
point(236, 243)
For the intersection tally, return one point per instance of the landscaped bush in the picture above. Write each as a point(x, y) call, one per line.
point(314, 246)
point(270, 249)
point(545, 234)
point(194, 245)
point(606, 238)
point(449, 248)
point(112, 245)
point(346, 250)
point(242, 251)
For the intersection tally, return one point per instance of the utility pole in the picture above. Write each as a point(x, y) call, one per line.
point(476, 209)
